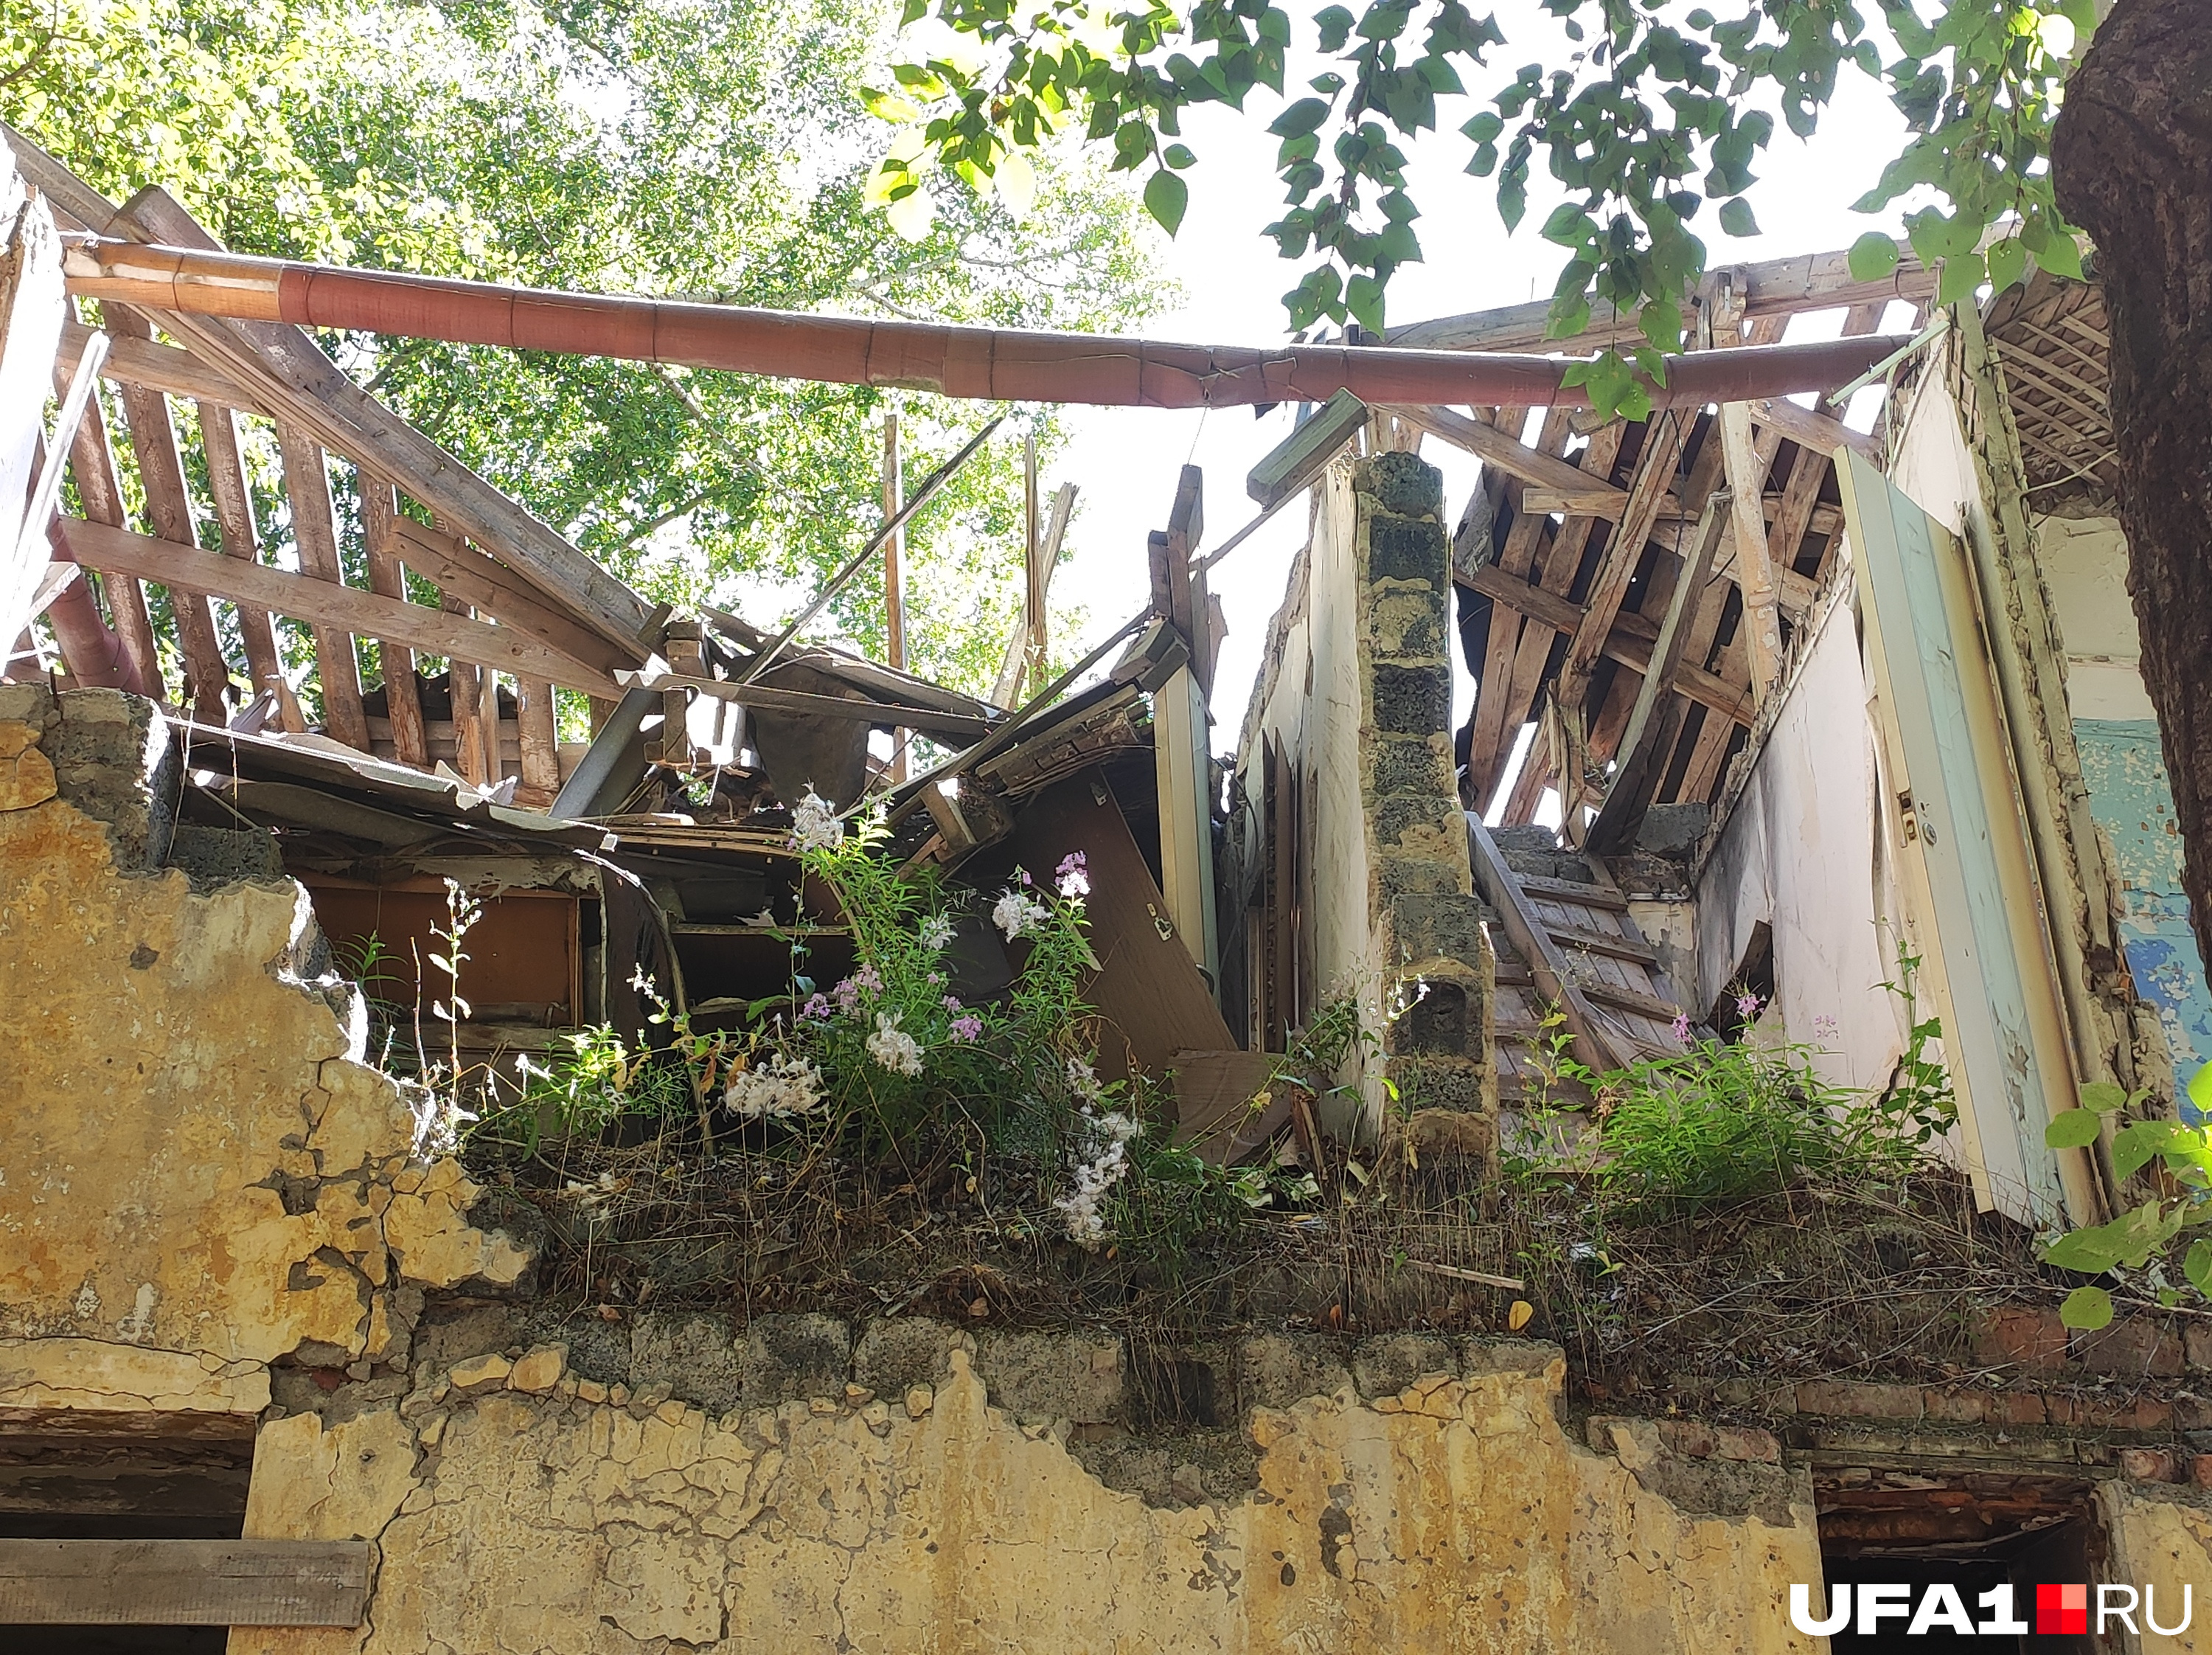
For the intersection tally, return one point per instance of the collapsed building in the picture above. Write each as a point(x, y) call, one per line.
point(1802, 701)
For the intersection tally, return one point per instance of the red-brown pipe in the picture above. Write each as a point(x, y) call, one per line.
point(995, 364)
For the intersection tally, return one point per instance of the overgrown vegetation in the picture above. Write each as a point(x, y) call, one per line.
point(867, 1144)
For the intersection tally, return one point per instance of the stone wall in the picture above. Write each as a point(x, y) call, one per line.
point(1357, 694)
point(941, 1494)
point(198, 1178)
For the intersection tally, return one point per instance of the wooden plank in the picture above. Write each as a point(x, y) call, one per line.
point(1517, 654)
point(539, 759)
point(464, 688)
point(234, 517)
point(1583, 938)
point(1655, 474)
point(1292, 464)
point(796, 700)
point(1494, 447)
point(1659, 1011)
point(1770, 290)
point(1657, 717)
point(318, 603)
point(199, 1583)
point(1628, 645)
point(1542, 886)
point(488, 722)
point(168, 367)
point(315, 537)
point(91, 467)
point(1546, 964)
point(1754, 568)
point(402, 699)
point(169, 513)
point(282, 366)
point(452, 564)
point(1812, 430)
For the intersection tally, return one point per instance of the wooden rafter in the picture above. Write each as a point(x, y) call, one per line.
point(1655, 473)
point(341, 609)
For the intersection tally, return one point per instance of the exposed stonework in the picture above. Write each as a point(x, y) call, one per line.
point(1420, 894)
point(1452, 1514)
point(196, 1175)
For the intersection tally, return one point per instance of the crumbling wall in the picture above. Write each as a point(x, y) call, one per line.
point(197, 1175)
point(1422, 1495)
point(2161, 1539)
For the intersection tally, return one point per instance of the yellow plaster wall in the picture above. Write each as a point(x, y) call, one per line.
point(2162, 1537)
point(160, 1079)
point(1454, 1516)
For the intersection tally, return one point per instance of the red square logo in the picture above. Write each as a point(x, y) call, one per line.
point(2062, 1609)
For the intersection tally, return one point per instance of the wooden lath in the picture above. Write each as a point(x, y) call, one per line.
point(1581, 575)
point(417, 557)
point(2052, 344)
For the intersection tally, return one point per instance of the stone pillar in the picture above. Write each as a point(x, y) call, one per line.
point(1437, 966)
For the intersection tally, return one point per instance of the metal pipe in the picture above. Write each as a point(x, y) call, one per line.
point(994, 364)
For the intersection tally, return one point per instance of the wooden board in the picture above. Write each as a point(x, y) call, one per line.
point(196, 1583)
point(1153, 1000)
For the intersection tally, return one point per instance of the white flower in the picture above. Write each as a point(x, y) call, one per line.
point(777, 1089)
point(936, 932)
point(1014, 913)
point(1083, 1081)
point(1096, 1167)
point(892, 1047)
point(814, 823)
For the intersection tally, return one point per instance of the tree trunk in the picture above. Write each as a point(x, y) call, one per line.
point(2132, 159)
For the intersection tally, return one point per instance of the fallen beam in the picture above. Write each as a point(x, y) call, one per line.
point(997, 364)
point(928, 720)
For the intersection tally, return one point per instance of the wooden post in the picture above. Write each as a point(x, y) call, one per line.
point(495, 757)
point(1035, 577)
point(92, 465)
point(314, 531)
point(169, 512)
point(894, 577)
point(402, 703)
point(538, 740)
point(234, 517)
point(1754, 568)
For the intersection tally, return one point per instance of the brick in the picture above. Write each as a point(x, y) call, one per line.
point(1846, 1399)
point(2115, 1413)
point(1747, 1443)
point(2014, 1336)
point(1959, 1407)
point(2147, 1464)
point(2200, 1470)
point(2019, 1408)
point(2136, 1347)
point(1692, 1437)
point(2197, 1348)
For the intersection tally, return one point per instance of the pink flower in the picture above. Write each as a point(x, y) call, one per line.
point(1746, 1005)
point(966, 1028)
point(817, 1008)
point(1682, 1027)
point(866, 977)
point(952, 1002)
point(1073, 875)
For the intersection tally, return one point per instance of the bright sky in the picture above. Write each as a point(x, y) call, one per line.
point(1125, 461)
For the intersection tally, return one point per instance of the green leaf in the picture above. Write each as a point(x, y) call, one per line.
point(1179, 156)
point(1569, 226)
point(2104, 1097)
point(1363, 297)
point(1334, 24)
point(2196, 1265)
point(1166, 197)
point(2073, 1129)
point(2061, 256)
point(2135, 1147)
point(1736, 217)
point(1484, 127)
point(1302, 117)
point(2086, 1309)
point(2007, 261)
point(2085, 1250)
point(1872, 256)
point(1962, 274)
